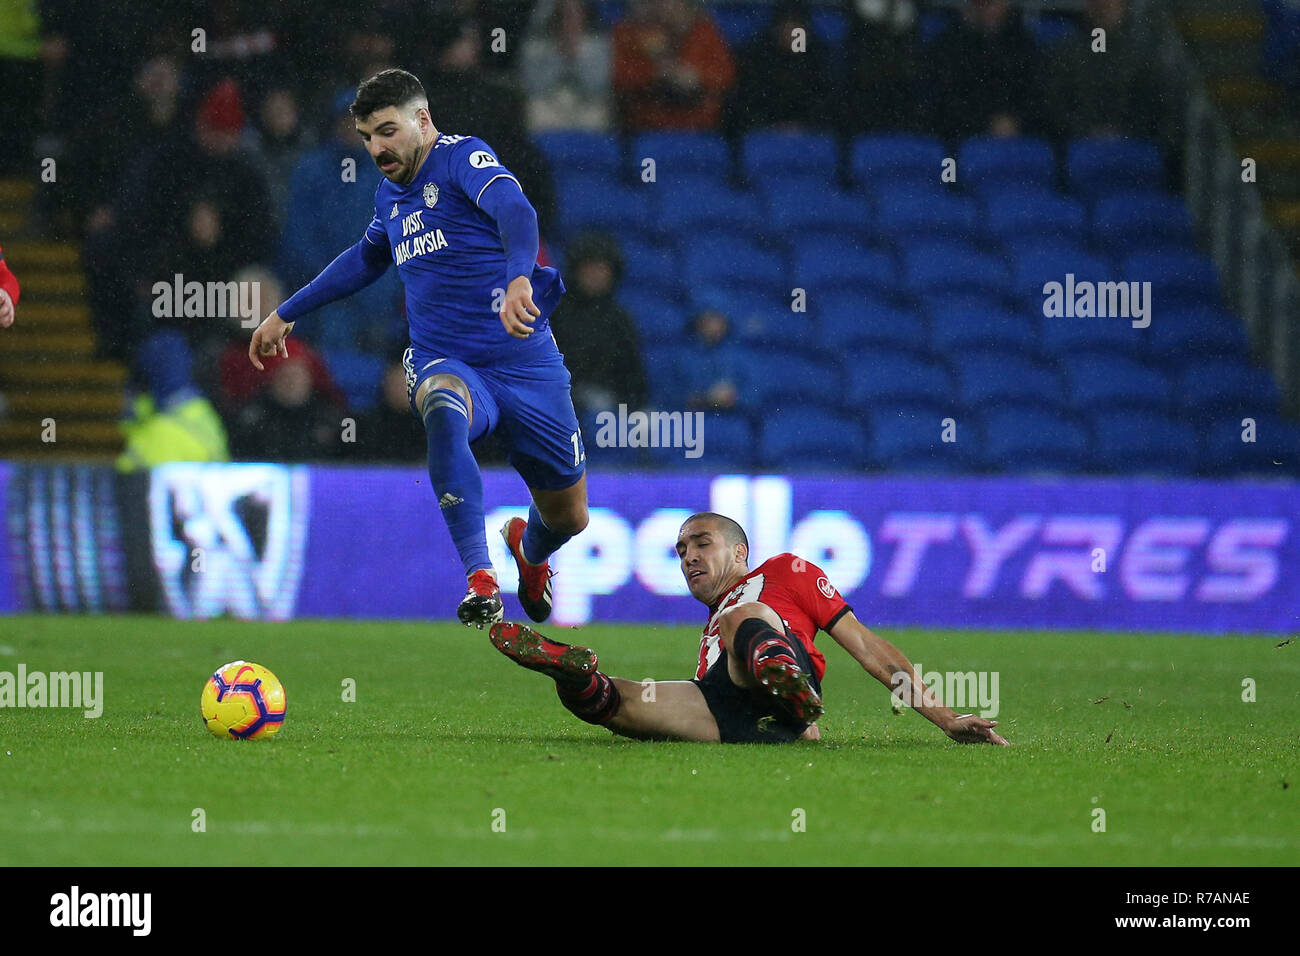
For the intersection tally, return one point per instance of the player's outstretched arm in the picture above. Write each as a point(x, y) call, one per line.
point(887, 664)
point(351, 271)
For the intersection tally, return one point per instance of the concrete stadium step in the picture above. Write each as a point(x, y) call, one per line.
point(1244, 92)
point(71, 403)
point(23, 436)
point(11, 221)
point(53, 284)
point(61, 315)
point(19, 371)
point(1221, 26)
point(28, 339)
point(22, 254)
point(16, 190)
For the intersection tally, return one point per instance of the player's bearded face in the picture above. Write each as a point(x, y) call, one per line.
point(394, 142)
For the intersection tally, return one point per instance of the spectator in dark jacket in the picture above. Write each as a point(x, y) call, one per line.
point(289, 421)
point(1095, 93)
point(596, 335)
point(389, 432)
point(981, 75)
point(782, 79)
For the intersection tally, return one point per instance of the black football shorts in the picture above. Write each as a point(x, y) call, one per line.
point(752, 715)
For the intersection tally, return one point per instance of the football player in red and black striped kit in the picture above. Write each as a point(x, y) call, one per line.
point(759, 674)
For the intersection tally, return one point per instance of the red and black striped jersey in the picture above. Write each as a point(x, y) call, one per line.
point(794, 588)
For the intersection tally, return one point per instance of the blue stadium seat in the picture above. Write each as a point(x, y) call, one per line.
point(740, 22)
point(780, 380)
point(1019, 161)
point(678, 154)
point(1177, 277)
point(1031, 438)
point(1217, 387)
point(657, 318)
point(909, 438)
point(1031, 271)
point(766, 154)
point(648, 262)
point(1025, 215)
point(592, 203)
point(850, 320)
point(728, 442)
point(952, 267)
point(925, 213)
point(803, 207)
point(995, 378)
point(825, 264)
point(1098, 381)
point(1274, 452)
point(891, 158)
point(664, 366)
point(1063, 336)
point(668, 289)
point(582, 153)
point(1143, 442)
point(612, 456)
point(958, 326)
point(1181, 334)
point(728, 211)
point(831, 26)
point(1133, 219)
point(879, 378)
point(932, 23)
point(811, 439)
point(733, 261)
point(358, 374)
point(738, 304)
point(1050, 30)
point(1096, 166)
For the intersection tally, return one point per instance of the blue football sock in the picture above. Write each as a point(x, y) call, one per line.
point(540, 542)
point(455, 476)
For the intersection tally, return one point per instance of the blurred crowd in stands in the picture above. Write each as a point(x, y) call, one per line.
point(226, 164)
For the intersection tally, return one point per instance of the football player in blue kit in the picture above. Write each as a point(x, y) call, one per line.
point(482, 358)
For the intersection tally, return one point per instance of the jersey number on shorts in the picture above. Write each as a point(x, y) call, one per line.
point(579, 453)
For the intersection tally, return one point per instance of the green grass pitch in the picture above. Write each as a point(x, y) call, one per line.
point(444, 732)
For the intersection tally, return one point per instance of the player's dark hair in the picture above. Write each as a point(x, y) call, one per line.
point(386, 88)
point(732, 532)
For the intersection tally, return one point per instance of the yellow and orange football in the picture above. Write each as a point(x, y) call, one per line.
point(243, 701)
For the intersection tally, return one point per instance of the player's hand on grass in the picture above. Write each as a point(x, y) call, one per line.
point(269, 339)
point(6, 310)
point(973, 729)
point(519, 311)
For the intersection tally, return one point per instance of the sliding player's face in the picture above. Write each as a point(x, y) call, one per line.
point(394, 137)
point(710, 565)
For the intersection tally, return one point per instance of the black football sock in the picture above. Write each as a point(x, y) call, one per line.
point(756, 641)
point(596, 701)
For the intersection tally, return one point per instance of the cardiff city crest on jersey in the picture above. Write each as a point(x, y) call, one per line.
point(430, 195)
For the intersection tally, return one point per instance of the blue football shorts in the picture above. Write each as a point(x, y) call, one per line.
point(529, 406)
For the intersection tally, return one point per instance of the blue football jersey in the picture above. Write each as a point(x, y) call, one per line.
point(450, 259)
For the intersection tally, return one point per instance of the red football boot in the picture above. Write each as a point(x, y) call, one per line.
point(527, 648)
point(784, 679)
point(481, 605)
point(534, 579)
